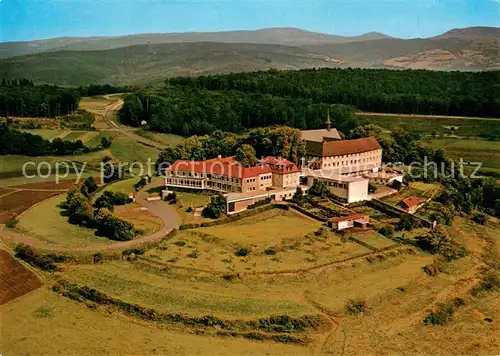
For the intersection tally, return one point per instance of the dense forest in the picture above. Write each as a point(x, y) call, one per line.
point(377, 90)
point(22, 98)
point(302, 99)
point(187, 111)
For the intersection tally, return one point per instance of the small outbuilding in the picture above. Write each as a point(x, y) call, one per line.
point(346, 222)
point(410, 204)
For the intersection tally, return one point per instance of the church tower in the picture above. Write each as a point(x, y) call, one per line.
point(328, 121)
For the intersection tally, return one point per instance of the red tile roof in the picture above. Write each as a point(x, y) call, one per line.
point(411, 201)
point(281, 165)
point(342, 147)
point(349, 217)
point(227, 166)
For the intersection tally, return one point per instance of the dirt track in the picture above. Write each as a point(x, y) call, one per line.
point(158, 208)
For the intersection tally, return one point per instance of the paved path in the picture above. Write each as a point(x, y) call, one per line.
point(159, 208)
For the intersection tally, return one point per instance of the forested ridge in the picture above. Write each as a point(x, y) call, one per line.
point(377, 90)
point(301, 99)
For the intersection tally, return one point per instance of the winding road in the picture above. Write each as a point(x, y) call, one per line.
point(167, 214)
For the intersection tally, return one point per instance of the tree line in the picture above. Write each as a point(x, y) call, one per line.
point(17, 142)
point(192, 111)
point(269, 141)
point(377, 90)
point(22, 98)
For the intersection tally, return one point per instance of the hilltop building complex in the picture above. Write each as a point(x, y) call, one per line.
point(345, 166)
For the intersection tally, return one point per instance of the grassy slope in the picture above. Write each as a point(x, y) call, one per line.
point(45, 324)
point(46, 222)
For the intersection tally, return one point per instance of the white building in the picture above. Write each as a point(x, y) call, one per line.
point(350, 188)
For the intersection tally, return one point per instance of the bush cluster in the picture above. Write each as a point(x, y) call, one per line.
point(81, 212)
point(46, 262)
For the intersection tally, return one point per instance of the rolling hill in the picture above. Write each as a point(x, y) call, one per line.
point(278, 36)
point(71, 61)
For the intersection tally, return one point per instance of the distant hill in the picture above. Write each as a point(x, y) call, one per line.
point(143, 64)
point(77, 64)
point(471, 33)
point(280, 36)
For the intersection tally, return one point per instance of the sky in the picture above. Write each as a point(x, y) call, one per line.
point(23, 20)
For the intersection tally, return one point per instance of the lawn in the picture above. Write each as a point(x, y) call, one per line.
point(266, 228)
point(191, 200)
point(140, 218)
point(43, 323)
point(374, 240)
point(46, 222)
point(125, 186)
point(471, 150)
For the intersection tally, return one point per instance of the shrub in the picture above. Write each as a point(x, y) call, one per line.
point(270, 251)
point(11, 223)
point(407, 222)
point(480, 219)
point(356, 306)
point(387, 231)
point(34, 258)
point(242, 252)
point(372, 188)
point(193, 254)
point(396, 184)
point(216, 207)
point(115, 228)
point(443, 315)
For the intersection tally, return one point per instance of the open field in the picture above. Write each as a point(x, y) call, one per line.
point(422, 191)
point(396, 290)
point(45, 222)
point(126, 149)
point(471, 150)
point(165, 139)
point(428, 125)
point(16, 203)
point(16, 279)
point(43, 323)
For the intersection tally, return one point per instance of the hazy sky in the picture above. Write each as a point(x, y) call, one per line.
point(36, 19)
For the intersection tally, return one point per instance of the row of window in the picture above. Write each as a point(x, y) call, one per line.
point(353, 161)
